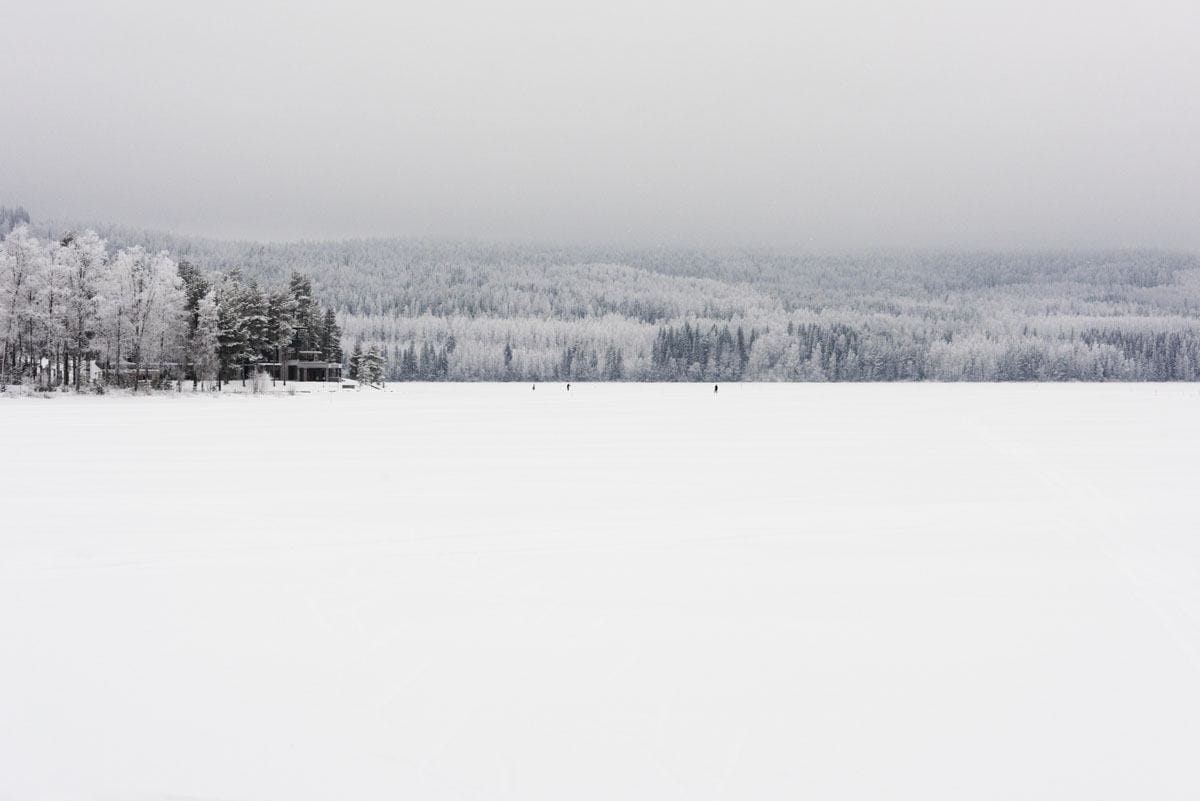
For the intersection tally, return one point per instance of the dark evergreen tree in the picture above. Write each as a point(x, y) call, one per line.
point(355, 358)
point(195, 286)
point(331, 338)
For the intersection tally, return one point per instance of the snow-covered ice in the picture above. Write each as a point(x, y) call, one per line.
point(625, 592)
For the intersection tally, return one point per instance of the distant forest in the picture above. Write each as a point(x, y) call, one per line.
point(470, 311)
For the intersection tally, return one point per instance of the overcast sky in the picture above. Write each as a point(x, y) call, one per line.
point(832, 124)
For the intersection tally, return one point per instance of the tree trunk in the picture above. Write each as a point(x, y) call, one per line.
point(118, 351)
point(79, 353)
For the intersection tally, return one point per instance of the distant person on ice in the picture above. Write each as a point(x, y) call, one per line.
point(568, 387)
point(714, 389)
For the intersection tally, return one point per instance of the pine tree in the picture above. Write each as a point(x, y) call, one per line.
point(232, 331)
point(306, 314)
point(196, 286)
point(370, 366)
point(281, 327)
point(356, 358)
point(331, 338)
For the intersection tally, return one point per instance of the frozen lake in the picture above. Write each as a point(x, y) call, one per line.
point(625, 592)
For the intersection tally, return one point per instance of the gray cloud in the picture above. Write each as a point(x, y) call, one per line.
point(831, 124)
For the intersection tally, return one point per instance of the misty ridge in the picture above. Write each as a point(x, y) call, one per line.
point(472, 311)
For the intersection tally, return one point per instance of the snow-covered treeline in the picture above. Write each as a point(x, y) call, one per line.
point(478, 311)
point(74, 311)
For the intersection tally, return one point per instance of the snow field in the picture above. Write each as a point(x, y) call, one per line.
point(628, 591)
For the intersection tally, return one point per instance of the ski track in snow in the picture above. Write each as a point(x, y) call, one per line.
point(628, 591)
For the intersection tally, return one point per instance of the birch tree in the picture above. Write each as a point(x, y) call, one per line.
point(206, 339)
point(84, 258)
point(22, 257)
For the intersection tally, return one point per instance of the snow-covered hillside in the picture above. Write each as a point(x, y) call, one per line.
point(626, 591)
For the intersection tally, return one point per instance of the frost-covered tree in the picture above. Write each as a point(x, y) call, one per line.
point(205, 339)
point(23, 257)
point(152, 302)
point(369, 366)
point(51, 288)
point(83, 257)
point(10, 218)
point(356, 358)
point(233, 327)
point(282, 324)
point(331, 338)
